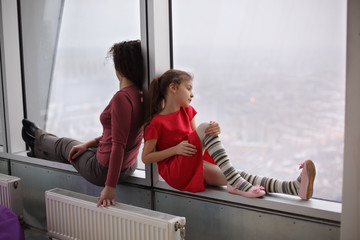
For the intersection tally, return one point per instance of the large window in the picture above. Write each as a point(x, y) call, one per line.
point(84, 81)
point(65, 52)
point(272, 73)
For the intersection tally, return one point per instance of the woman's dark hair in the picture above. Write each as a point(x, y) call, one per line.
point(158, 89)
point(128, 61)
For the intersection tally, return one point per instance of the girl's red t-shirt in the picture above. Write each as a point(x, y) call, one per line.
point(180, 172)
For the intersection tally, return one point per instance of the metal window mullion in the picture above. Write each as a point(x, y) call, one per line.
point(11, 78)
point(158, 49)
point(350, 225)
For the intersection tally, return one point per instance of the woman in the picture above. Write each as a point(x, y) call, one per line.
point(112, 157)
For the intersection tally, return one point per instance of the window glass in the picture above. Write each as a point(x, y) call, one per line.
point(2, 127)
point(83, 80)
point(40, 26)
point(272, 73)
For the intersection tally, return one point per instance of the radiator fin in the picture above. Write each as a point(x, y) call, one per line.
point(10, 193)
point(70, 216)
point(4, 196)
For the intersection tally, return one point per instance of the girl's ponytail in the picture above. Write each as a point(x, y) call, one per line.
point(155, 99)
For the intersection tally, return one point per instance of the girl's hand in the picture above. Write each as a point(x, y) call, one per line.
point(213, 129)
point(77, 151)
point(185, 148)
point(107, 197)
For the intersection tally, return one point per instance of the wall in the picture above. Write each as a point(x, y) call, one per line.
point(205, 218)
point(351, 186)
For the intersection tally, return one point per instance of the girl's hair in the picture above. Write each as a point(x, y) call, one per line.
point(128, 61)
point(158, 90)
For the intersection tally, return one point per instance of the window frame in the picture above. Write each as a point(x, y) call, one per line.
point(314, 208)
point(11, 77)
point(2, 121)
point(255, 132)
point(14, 106)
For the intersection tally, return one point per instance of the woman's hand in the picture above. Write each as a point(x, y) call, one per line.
point(185, 148)
point(107, 197)
point(76, 151)
point(213, 129)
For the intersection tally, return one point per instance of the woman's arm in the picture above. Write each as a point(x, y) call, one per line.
point(149, 155)
point(121, 119)
point(81, 148)
point(107, 197)
point(91, 143)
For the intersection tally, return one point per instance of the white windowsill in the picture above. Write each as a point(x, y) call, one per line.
point(138, 177)
point(280, 203)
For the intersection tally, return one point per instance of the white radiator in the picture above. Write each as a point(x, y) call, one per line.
point(73, 215)
point(10, 193)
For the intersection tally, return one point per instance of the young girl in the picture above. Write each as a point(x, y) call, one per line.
point(177, 145)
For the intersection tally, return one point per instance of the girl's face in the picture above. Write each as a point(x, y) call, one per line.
point(183, 93)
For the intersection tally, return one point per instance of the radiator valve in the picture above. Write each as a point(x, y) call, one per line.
point(182, 229)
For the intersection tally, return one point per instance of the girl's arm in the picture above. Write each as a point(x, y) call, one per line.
point(149, 155)
point(213, 129)
point(193, 124)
